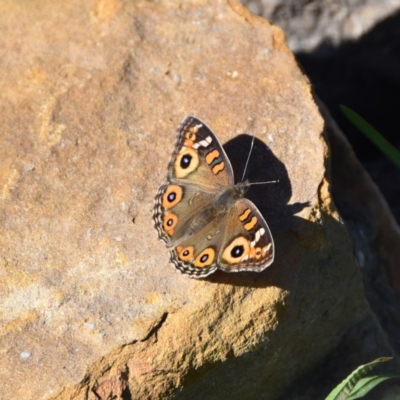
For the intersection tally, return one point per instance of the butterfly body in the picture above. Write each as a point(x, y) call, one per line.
point(202, 215)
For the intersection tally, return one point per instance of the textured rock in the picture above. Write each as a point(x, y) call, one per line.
point(367, 53)
point(91, 98)
point(374, 235)
point(314, 23)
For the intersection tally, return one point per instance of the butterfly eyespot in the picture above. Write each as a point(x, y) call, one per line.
point(185, 161)
point(190, 135)
point(205, 258)
point(256, 253)
point(172, 196)
point(185, 253)
point(169, 223)
point(237, 251)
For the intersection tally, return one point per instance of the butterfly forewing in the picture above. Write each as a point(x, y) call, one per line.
point(199, 159)
point(247, 244)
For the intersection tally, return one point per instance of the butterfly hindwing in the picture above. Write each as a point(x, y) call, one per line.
point(197, 255)
point(238, 241)
point(179, 211)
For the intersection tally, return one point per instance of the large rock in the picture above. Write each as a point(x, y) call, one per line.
point(91, 98)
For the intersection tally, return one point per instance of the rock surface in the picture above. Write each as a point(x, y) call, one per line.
point(309, 24)
point(375, 237)
point(358, 70)
point(91, 97)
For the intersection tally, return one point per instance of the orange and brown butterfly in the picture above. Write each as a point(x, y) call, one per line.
point(202, 215)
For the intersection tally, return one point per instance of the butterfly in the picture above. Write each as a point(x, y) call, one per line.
point(202, 215)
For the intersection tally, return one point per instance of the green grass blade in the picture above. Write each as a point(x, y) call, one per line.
point(344, 389)
point(359, 122)
point(366, 384)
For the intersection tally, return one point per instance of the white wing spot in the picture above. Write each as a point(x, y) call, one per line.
point(197, 127)
point(259, 233)
point(204, 143)
point(266, 248)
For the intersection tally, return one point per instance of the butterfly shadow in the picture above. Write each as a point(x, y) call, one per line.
point(272, 201)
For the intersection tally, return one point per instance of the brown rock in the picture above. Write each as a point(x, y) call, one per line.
point(91, 98)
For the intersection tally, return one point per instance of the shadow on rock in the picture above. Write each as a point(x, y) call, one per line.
point(272, 201)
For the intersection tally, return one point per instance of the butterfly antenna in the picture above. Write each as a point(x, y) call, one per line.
point(263, 183)
point(248, 158)
point(247, 162)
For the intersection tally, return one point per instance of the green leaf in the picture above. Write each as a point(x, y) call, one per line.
point(366, 384)
point(359, 122)
point(344, 390)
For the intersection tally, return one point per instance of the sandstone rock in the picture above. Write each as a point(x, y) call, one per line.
point(91, 97)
